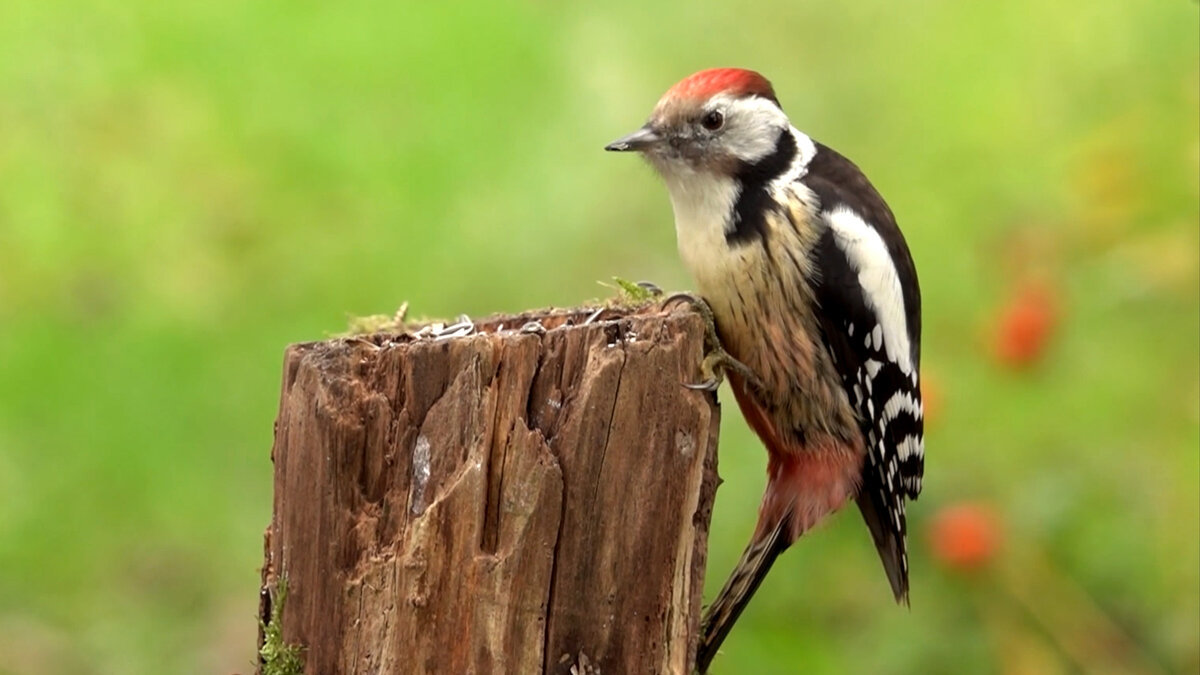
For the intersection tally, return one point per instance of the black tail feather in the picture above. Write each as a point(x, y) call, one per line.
point(888, 543)
point(751, 569)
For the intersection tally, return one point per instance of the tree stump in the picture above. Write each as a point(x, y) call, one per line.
point(533, 497)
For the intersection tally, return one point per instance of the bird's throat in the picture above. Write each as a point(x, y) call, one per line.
point(704, 210)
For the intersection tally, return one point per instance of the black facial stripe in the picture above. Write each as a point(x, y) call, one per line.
point(749, 212)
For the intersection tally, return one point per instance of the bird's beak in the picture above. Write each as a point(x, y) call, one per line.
point(640, 140)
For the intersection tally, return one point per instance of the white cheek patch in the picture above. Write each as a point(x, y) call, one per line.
point(752, 126)
point(880, 283)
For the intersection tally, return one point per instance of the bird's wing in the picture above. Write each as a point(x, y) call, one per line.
point(869, 312)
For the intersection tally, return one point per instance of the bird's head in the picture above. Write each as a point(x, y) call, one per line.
point(716, 121)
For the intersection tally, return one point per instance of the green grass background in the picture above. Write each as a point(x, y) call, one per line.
point(187, 187)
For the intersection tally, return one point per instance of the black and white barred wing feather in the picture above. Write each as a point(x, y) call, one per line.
point(870, 321)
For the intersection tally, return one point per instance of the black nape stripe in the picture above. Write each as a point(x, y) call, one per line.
point(750, 210)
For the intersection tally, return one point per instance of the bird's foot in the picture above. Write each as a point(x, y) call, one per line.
point(716, 359)
point(713, 369)
point(650, 288)
point(636, 292)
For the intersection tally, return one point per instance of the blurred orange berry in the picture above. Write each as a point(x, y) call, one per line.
point(1025, 325)
point(965, 536)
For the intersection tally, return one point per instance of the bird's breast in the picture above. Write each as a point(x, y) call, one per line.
point(761, 296)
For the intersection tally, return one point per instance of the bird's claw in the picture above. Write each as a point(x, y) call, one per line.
point(652, 288)
point(707, 385)
point(716, 360)
point(714, 366)
point(701, 306)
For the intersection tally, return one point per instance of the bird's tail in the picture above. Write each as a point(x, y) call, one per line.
point(756, 561)
point(888, 534)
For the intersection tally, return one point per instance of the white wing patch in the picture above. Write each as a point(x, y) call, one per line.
point(880, 283)
point(901, 401)
point(911, 446)
point(872, 367)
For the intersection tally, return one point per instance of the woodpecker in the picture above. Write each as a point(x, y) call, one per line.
point(813, 296)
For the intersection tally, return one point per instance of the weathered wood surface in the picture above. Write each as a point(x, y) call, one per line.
point(508, 502)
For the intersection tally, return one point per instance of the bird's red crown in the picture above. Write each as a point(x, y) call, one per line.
point(734, 81)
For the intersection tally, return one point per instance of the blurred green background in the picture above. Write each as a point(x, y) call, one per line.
point(187, 187)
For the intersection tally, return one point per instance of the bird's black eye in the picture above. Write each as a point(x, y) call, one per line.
point(713, 120)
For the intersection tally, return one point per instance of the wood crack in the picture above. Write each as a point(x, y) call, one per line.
point(490, 503)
